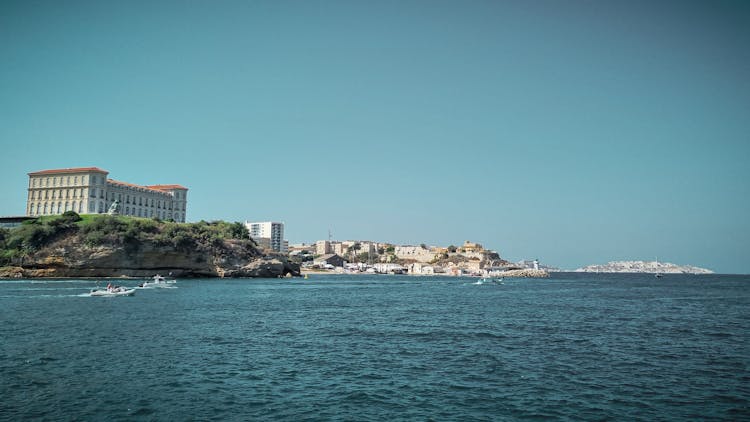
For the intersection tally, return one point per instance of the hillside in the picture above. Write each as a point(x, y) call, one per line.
point(643, 267)
point(70, 245)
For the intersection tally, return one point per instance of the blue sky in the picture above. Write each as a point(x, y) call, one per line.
point(574, 132)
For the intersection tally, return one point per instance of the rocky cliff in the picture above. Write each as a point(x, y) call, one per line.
point(182, 250)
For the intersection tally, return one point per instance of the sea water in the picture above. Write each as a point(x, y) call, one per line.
point(571, 347)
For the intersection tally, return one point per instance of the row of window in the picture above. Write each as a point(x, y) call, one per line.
point(55, 194)
point(43, 182)
point(138, 212)
point(60, 207)
point(148, 202)
point(77, 193)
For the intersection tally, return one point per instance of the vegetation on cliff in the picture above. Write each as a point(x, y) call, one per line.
point(124, 232)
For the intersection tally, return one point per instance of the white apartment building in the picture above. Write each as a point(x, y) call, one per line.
point(87, 190)
point(270, 230)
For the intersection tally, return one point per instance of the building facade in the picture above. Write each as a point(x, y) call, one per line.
point(270, 230)
point(87, 190)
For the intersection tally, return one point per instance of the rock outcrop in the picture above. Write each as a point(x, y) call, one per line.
point(69, 257)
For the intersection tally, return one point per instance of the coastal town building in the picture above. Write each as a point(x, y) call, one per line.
point(417, 253)
point(268, 234)
point(323, 247)
point(419, 268)
point(87, 190)
point(329, 259)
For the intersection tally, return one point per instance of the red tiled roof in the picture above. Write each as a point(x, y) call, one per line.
point(166, 187)
point(117, 182)
point(70, 170)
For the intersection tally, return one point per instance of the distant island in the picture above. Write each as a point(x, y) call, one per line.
point(643, 267)
point(100, 245)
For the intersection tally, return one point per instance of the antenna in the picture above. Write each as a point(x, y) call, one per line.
point(329, 235)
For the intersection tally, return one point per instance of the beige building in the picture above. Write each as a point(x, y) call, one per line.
point(416, 253)
point(323, 247)
point(87, 190)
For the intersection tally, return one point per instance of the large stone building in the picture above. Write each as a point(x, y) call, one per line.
point(87, 190)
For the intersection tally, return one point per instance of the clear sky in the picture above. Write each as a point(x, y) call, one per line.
point(576, 132)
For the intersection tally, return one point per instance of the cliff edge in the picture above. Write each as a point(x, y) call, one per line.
point(118, 246)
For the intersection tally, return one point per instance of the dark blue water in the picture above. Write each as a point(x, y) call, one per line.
point(573, 347)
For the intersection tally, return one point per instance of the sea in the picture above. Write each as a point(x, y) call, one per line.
point(575, 347)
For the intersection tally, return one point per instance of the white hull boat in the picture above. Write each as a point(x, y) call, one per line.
point(112, 292)
point(158, 281)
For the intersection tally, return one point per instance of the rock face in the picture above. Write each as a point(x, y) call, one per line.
point(643, 267)
point(70, 258)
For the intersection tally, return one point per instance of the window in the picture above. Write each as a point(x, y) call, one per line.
point(75, 180)
point(127, 199)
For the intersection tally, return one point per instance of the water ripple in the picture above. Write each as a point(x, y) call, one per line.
point(576, 347)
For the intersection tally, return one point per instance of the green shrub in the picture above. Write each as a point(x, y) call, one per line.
point(129, 232)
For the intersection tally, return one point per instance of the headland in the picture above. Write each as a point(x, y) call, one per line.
point(70, 245)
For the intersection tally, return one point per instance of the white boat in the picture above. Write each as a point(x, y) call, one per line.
point(492, 280)
point(112, 292)
point(158, 281)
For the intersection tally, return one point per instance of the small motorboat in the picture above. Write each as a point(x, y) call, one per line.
point(112, 292)
point(486, 280)
point(158, 281)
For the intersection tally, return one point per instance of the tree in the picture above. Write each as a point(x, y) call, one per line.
point(452, 249)
point(363, 257)
point(354, 248)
